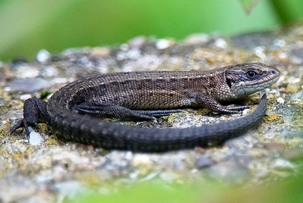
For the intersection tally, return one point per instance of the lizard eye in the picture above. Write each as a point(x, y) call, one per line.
point(251, 74)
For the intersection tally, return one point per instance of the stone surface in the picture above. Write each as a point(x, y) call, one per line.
point(46, 168)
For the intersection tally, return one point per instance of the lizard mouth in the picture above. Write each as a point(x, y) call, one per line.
point(246, 87)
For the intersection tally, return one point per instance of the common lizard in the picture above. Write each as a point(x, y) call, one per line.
point(72, 110)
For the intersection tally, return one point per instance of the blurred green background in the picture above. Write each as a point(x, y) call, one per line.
point(27, 26)
point(30, 25)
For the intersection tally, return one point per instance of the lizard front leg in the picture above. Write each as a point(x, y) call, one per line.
point(213, 105)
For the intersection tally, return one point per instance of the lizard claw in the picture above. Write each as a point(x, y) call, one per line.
point(22, 123)
point(13, 129)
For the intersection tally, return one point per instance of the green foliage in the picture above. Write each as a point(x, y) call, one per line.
point(30, 25)
point(152, 192)
point(248, 5)
point(281, 191)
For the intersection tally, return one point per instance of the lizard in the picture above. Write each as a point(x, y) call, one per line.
point(74, 110)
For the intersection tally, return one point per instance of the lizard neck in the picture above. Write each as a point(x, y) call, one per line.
point(218, 87)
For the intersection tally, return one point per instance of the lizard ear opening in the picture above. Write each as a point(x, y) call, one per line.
point(228, 82)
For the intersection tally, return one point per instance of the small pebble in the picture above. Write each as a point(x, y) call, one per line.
point(259, 51)
point(221, 43)
point(24, 97)
point(163, 44)
point(43, 56)
point(196, 39)
point(35, 138)
point(29, 84)
point(280, 100)
point(27, 71)
point(203, 162)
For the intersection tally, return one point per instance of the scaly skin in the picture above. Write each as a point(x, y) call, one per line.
point(145, 95)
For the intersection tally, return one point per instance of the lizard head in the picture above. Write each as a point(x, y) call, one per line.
point(248, 78)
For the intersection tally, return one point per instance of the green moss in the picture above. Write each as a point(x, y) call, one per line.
point(274, 117)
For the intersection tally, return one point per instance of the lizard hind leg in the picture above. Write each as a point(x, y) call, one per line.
point(34, 110)
point(158, 113)
point(108, 110)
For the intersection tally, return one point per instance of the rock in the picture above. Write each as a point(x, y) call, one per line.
point(29, 84)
